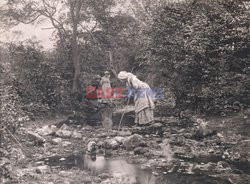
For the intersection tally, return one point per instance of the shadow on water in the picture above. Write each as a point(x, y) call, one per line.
point(128, 173)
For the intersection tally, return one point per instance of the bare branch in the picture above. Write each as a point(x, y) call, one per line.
point(45, 28)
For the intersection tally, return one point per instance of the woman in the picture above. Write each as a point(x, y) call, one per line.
point(144, 104)
point(105, 82)
point(106, 109)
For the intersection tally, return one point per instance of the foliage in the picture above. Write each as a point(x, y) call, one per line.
point(201, 50)
point(11, 111)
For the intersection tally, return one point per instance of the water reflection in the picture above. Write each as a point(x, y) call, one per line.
point(120, 169)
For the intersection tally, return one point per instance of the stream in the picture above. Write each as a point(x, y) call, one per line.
point(123, 172)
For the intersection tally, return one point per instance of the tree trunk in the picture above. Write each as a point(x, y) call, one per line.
point(112, 68)
point(76, 61)
point(75, 7)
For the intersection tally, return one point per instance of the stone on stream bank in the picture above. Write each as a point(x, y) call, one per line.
point(156, 128)
point(47, 130)
point(44, 169)
point(76, 135)
point(36, 138)
point(111, 144)
point(57, 140)
point(201, 133)
point(133, 141)
point(64, 132)
point(140, 150)
point(119, 139)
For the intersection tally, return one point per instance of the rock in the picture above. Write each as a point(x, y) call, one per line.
point(119, 139)
point(148, 154)
point(202, 133)
point(87, 179)
point(111, 144)
point(187, 135)
point(91, 147)
point(156, 125)
point(57, 140)
point(156, 128)
point(128, 118)
point(47, 130)
point(211, 150)
point(102, 135)
point(183, 152)
point(158, 140)
point(113, 133)
point(108, 152)
point(76, 135)
point(155, 173)
point(186, 167)
point(88, 128)
point(36, 138)
point(177, 140)
point(65, 127)
point(17, 155)
point(66, 143)
point(97, 180)
point(65, 173)
point(39, 163)
point(107, 181)
point(133, 141)
point(84, 139)
point(104, 176)
point(223, 164)
point(220, 135)
point(140, 150)
point(145, 166)
point(225, 154)
point(236, 157)
point(100, 144)
point(153, 144)
point(94, 139)
point(204, 167)
point(124, 133)
point(43, 169)
point(64, 132)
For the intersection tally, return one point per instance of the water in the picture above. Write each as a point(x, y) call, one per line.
point(124, 172)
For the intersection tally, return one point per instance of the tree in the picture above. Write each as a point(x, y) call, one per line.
point(65, 16)
point(198, 49)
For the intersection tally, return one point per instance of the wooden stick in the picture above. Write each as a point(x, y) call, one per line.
point(123, 115)
point(20, 144)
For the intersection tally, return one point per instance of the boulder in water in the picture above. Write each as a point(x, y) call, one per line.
point(91, 147)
